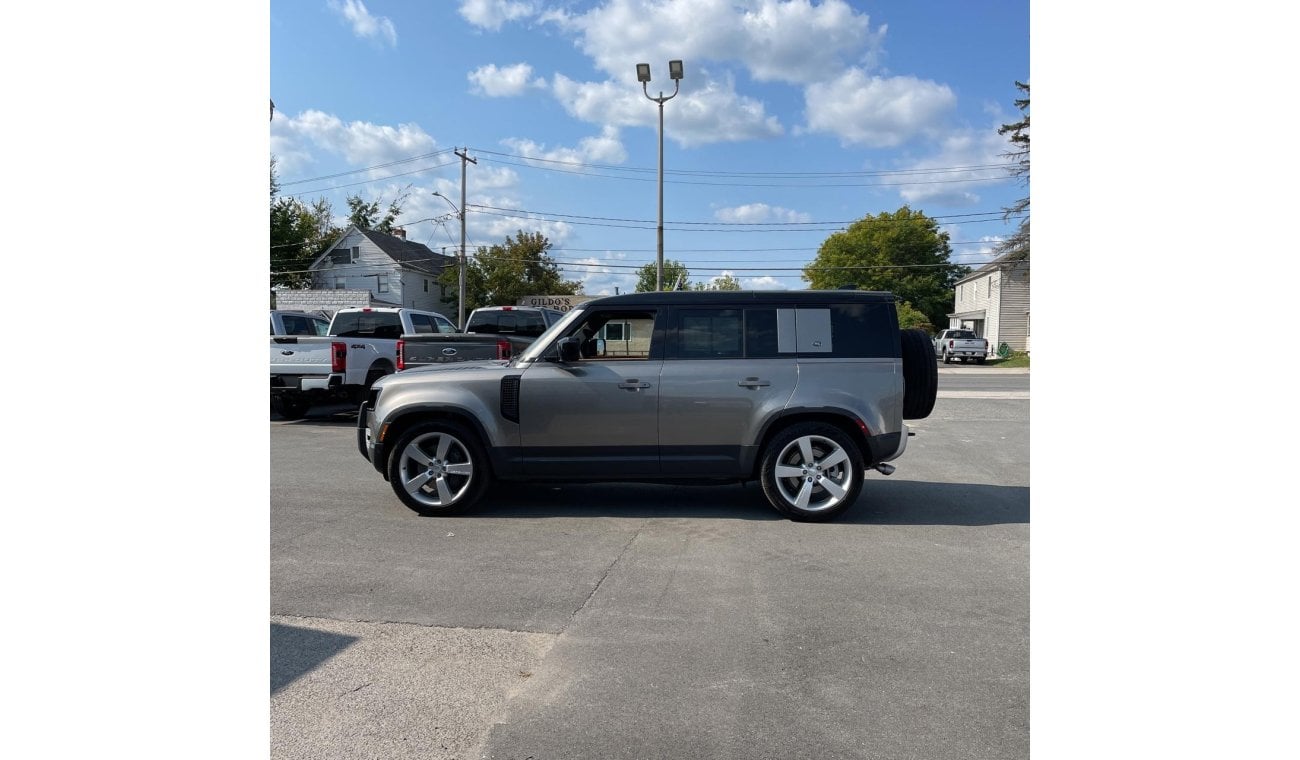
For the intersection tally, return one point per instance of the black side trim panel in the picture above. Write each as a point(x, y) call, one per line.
point(720, 462)
point(510, 397)
point(883, 445)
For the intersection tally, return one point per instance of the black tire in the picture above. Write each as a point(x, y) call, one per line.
point(813, 489)
point(946, 358)
point(438, 468)
point(290, 408)
point(920, 375)
point(357, 395)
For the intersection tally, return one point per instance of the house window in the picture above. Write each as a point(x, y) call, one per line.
point(340, 283)
point(426, 286)
point(346, 255)
point(383, 283)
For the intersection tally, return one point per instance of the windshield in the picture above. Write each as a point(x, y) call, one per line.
point(537, 347)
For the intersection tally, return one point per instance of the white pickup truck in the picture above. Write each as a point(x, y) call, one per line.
point(359, 348)
point(960, 344)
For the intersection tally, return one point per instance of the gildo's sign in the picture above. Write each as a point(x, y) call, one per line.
point(559, 303)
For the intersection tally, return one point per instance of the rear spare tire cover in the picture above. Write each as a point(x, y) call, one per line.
point(920, 375)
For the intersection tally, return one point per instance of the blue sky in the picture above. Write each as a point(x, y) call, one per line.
point(794, 118)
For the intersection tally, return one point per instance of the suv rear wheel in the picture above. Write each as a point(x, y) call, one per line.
point(811, 471)
point(438, 468)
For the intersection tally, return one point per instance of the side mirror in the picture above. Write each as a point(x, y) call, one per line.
point(569, 350)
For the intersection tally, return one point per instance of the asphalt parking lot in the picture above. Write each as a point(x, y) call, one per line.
point(637, 621)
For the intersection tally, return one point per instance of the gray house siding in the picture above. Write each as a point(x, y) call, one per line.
point(1014, 307)
point(406, 274)
point(994, 301)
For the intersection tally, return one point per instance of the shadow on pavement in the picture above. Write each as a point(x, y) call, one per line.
point(297, 651)
point(881, 502)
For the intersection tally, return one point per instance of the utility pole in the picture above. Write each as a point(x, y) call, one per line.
point(460, 299)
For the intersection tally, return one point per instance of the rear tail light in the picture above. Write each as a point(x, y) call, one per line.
point(503, 348)
point(338, 357)
point(952, 343)
point(401, 355)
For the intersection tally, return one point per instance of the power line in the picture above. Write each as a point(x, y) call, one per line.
point(821, 226)
point(819, 183)
point(371, 181)
point(396, 162)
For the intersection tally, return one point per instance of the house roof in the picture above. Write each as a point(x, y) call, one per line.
point(416, 256)
point(1011, 257)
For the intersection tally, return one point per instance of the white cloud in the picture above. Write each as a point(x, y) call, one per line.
point(776, 40)
point(505, 81)
point(605, 149)
point(364, 25)
point(881, 112)
point(598, 278)
point(491, 14)
point(708, 112)
point(360, 143)
point(756, 213)
point(966, 148)
point(766, 282)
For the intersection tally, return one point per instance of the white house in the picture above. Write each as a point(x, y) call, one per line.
point(394, 270)
point(994, 302)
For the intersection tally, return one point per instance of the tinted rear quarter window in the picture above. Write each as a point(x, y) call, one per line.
point(864, 330)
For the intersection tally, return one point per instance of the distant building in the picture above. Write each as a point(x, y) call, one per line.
point(391, 269)
point(994, 302)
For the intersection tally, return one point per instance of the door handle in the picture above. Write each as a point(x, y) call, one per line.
point(633, 385)
point(753, 382)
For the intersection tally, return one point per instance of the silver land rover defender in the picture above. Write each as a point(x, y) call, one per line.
point(800, 390)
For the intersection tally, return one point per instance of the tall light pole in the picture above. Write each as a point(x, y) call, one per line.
point(460, 296)
point(643, 76)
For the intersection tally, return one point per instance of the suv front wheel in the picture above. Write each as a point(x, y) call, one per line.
point(438, 468)
point(811, 472)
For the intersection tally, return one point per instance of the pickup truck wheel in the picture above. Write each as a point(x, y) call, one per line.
point(438, 468)
point(290, 408)
point(811, 472)
point(946, 358)
point(920, 374)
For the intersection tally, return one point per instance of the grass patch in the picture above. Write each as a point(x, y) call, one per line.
point(1017, 359)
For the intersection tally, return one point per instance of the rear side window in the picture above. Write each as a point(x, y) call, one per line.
point(421, 324)
point(367, 324)
point(710, 334)
point(483, 322)
point(864, 330)
point(850, 330)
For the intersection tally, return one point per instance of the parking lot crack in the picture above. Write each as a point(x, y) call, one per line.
point(608, 570)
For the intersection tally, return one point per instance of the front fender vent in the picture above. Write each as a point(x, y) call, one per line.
point(510, 397)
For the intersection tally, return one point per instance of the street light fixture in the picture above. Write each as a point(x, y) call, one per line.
point(460, 295)
point(643, 76)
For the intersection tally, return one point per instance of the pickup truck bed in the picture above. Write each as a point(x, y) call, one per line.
point(423, 350)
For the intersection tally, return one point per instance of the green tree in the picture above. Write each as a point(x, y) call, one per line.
point(299, 233)
point(673, 271)
point(502, 274)
point(909, 318)
point(722, 282)
point(903, 252)
point(725, 282)
point(365, 215)
point(1018, 243)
